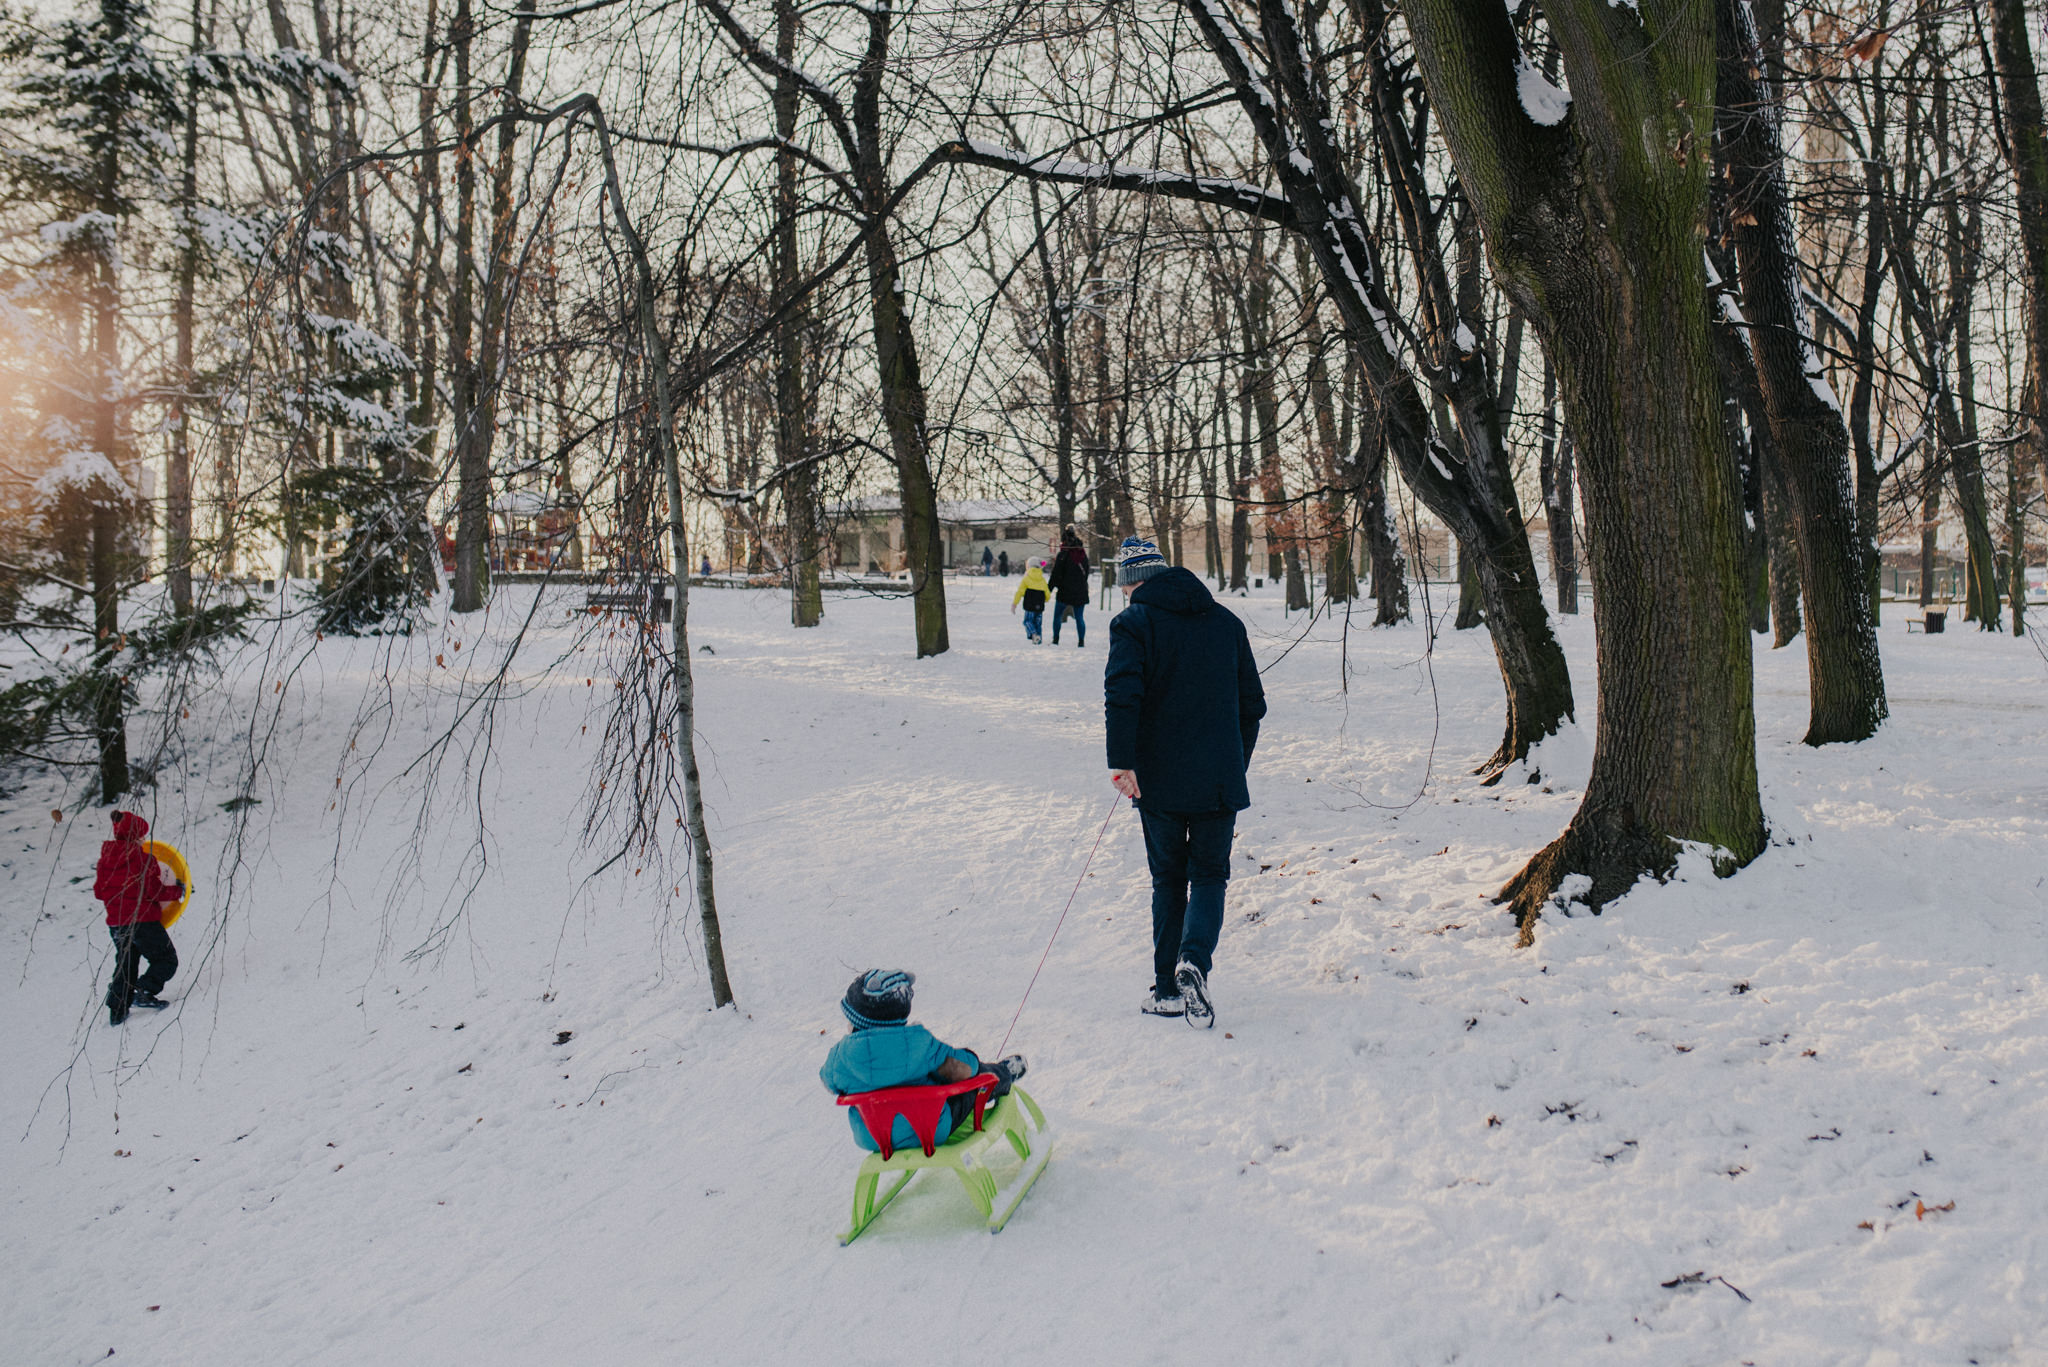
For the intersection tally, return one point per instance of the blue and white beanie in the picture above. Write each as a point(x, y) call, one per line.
point(880, 996)
point(1138, 560)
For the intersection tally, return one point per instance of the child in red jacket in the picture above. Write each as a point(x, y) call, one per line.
point(132, 885)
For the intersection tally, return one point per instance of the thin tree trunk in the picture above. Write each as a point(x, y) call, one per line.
point(1212, 533)
point(1756, 540)
point(1389, 570)
point(1471, 613)
point(1809, 440)
point(1966, 462)
point(655, 353)
point(178, 418)
point(1863, 397)
point(1560, 508)
point(1787, 622)
point(902, 382)
point(108, 504)
point(792, 411)
point(2026, 149)
point(1930, 524)
point(472, 449)
point(478, 434)
point(1240, 494)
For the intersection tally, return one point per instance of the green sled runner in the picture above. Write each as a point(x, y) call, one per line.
point(1015, 1118)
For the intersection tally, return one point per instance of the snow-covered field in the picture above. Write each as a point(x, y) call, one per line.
point(1793, 1117)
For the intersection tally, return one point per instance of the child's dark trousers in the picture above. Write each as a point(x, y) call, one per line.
point(143, 940)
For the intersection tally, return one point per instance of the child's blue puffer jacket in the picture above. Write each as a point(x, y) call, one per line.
point(878, 1056)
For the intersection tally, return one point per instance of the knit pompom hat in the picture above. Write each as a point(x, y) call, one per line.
point(880, 996)
point(1138, 560)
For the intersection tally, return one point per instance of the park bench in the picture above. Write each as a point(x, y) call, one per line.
point(1933, 623)
point(965, 1150)
point(650, 602)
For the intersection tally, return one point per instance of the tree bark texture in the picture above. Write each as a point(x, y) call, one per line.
point(1472, 489)
point(1981, 588)
point(178, 417)
point(792, 411)
point(2026, 149)
point(1787, 622)
point(472, 451)
point(1596, 226)
point(1560, 504)
point(1809, 438)
point(902, 382)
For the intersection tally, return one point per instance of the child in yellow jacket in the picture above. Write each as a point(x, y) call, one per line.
point(1032, 594)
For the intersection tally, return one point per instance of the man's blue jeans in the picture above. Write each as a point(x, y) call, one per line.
point(1190, 860)
point(1059, 614)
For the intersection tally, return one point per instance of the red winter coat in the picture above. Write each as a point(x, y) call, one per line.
point(129, 880)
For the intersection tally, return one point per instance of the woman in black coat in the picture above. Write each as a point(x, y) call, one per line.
point(1070, 587)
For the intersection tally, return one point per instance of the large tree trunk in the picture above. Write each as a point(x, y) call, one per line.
point(2026, 148)
point(792, 412)
point(1809, 439)
point(1594, 225)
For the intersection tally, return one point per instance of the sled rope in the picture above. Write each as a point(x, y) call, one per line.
point(1118, 802)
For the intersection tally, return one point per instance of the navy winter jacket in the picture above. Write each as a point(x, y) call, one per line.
point(1182, 697)
point(1069, 578)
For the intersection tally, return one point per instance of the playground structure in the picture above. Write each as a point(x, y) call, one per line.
point(531, 530)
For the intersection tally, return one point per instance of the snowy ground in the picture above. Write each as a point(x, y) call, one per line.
point(1820, 1084)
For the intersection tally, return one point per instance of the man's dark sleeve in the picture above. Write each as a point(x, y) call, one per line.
point(1123, 689)
point(1251, 694)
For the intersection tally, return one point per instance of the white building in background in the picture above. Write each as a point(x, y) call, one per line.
point(867, 534)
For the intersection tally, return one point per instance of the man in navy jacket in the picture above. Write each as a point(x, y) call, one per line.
point(1182, 700)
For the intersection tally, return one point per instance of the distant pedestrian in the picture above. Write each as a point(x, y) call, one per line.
point(1031, 593)
point(131, 884)
point(1182, 702)
point(705, 568)
point(988, 560)
point(1070, 587)
point(1003, 564)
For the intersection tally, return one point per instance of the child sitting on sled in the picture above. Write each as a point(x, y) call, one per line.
point(882, 1048)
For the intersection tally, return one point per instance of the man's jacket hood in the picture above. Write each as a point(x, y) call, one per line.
point(129, 826)
point(1175, 590)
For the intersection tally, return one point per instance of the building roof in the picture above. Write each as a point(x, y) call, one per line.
point(956, 510)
